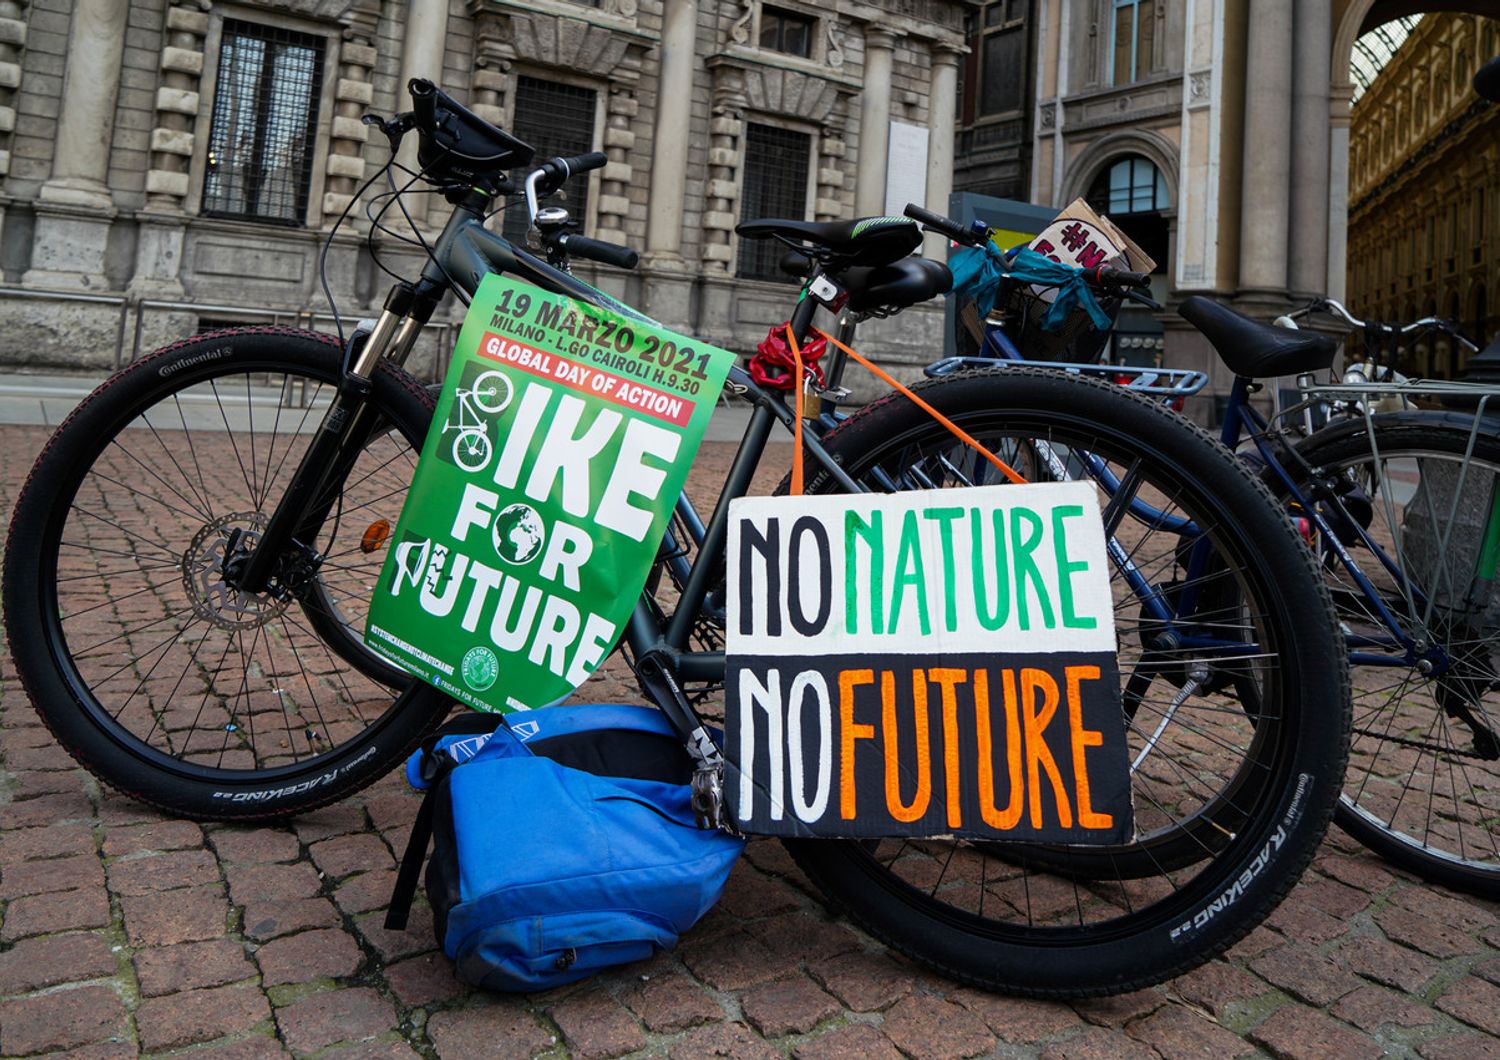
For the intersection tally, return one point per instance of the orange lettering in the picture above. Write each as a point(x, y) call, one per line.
point(899, 810)
point(995, 818)
point(948, 680)
point(849, 732)
point(1038, 755)
point(1082, 738)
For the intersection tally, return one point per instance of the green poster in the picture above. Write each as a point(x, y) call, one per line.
point(561, 441)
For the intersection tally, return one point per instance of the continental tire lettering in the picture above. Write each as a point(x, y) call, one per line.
point(270, 794)
point(1236, 890)
point(218, 353)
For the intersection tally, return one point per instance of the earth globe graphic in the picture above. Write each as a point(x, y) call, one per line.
point(518, 533)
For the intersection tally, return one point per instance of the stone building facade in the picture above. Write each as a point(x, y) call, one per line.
point(1216, 132)
point(1424, 190)
point(170, 164)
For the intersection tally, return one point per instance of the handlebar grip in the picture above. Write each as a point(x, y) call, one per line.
point(423, 102)
point(938, 223)
point(598, 250)
point(1105, 276)
point(584, 163)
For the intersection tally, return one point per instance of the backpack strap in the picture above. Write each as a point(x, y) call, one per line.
point(434, 767)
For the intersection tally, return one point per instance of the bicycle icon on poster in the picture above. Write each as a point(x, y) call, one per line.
point(489, 396)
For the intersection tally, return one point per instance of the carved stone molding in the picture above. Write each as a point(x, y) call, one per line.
point(777, 90)
point(619, 140)
point(12, 47)
point(1200, 88)
point(352, 97)
point(739, 31)
point(177, 101)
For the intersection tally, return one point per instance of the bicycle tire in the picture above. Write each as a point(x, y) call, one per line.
point(1459, 789)
point(1113, 946)
point(65, 685)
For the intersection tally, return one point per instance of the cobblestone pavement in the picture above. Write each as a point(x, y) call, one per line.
point(125, 933)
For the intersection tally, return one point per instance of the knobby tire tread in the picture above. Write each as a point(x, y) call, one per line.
point(1310, 826)
point(33, 490)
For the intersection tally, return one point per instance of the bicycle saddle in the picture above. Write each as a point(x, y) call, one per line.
point(865, 241)
point(1253, 349)
point(897, 285)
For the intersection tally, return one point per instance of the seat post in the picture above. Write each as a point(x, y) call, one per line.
point(1239, 397)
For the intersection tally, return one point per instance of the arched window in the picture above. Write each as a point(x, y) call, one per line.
point(1131, 185)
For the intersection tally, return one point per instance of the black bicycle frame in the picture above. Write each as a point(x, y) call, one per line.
point(464, 253)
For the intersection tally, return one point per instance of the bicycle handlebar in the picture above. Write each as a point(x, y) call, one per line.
point(1104, 276)
point(556, 170)
point(944, 226)
point(598, 250)
point(1334, 307)
point(1121, 279)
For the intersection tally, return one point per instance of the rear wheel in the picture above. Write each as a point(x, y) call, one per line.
point(1237, 786)
point(162, 680)
point(1423, 786)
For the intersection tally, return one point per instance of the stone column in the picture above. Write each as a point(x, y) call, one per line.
point(158, 258)
point(1308, 268)
point(348, 134)
point(726, 133)
point(874, 122)
point(12, 45)
point(941, 115)
point(831, 150)
point(426, 31)
point(74, 207)
point(1268, 148)
point(669, 148)
point(1337, 217)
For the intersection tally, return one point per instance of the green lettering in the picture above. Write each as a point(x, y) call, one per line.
point(909, 572)
point(944, 518)
point(873, 535)
point(996, 560)
point(1067, 568)
point(1022, 547)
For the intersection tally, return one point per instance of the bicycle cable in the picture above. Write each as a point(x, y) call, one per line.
point(338, 321)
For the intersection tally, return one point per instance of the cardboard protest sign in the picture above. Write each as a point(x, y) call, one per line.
point(924, 664)
point(1083, 239)
point(562, 438)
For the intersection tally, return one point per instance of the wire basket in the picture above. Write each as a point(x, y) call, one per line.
point(1078, 341)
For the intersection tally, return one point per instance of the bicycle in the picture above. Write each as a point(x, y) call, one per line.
point(472, 448)
point(1414, 489)
point(1371, 471)
point(1262, 767)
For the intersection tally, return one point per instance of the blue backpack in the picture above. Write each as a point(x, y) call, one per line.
point(563, 843)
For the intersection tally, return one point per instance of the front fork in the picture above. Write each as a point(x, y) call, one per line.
point(336, 445)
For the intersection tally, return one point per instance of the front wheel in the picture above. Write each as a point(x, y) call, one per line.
point(1235, 751)
point(161, 679)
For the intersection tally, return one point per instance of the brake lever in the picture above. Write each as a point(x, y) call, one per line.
point(1146, 300)
point(394, 127)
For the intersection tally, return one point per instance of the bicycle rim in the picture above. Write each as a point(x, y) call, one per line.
point(203, 681)
point(1212, 768)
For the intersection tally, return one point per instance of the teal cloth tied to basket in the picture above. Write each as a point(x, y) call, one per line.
point(977, 272)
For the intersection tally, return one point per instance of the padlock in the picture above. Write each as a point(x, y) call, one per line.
point(812, 398)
